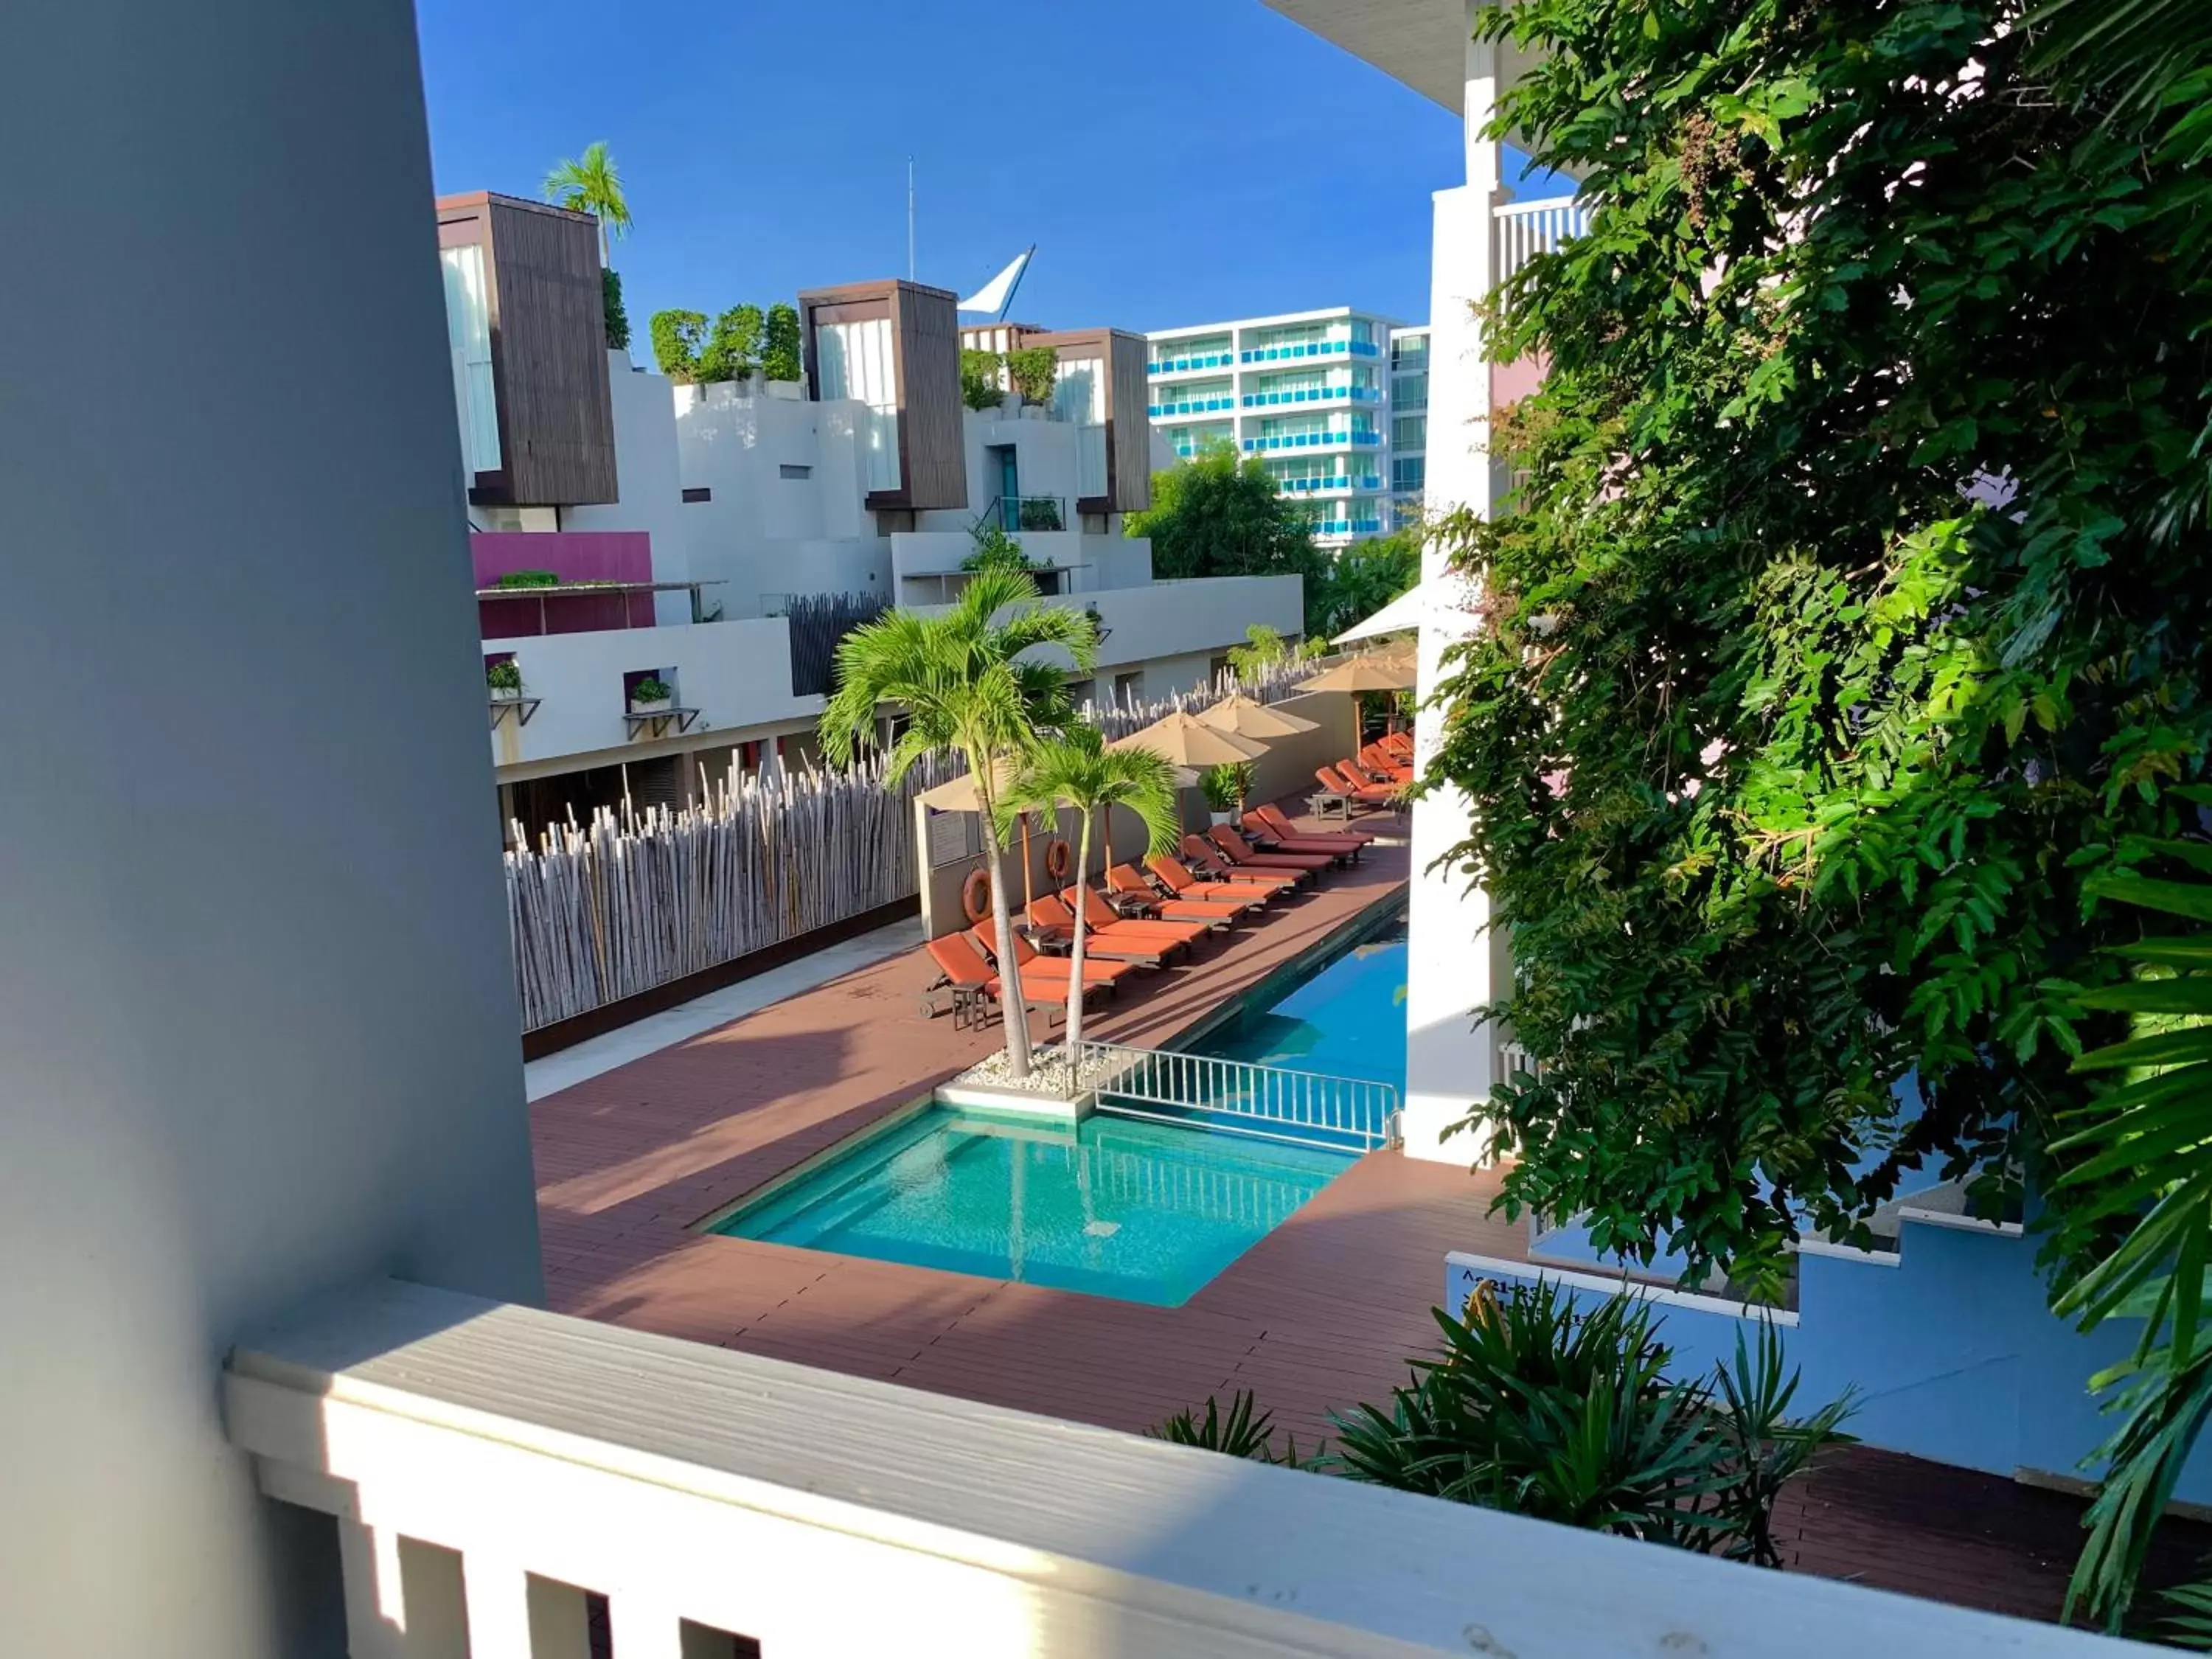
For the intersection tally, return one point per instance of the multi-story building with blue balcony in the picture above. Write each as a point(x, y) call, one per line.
point(1309, 394)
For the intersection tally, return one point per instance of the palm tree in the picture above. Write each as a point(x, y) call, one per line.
point(590, 183)
point(968, 687)
point(1077, 770)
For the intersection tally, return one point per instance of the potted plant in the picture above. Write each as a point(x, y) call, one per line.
point(503, 679)
point(651, 696)
point(1224, 789)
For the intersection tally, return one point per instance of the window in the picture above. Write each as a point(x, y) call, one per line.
point(1079, 397)
point(1410, 391)
point(468, 335)
point(1129, 689)
point(1409, 431)
point(855, 363)
point(1409, 353)
point(1408, 471)
point(787, 471)
point(698, 493)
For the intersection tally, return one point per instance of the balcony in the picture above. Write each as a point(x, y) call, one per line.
point(1347, 526)
point(1318, 394)
point(1358, 438)
point(501, 1479)
point(1307, 486)
point(1525, 229)
point(1191, 406)
point(1192, 362)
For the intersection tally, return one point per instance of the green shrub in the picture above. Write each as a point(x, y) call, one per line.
point(1032, 371)
point(1041, 512)
point(676, 336)
point(1226, 787)
point(996, 550)
point(505, 675)
point(615, 318)
point(733, 346)
point(979, 378)
point(650, 689)
point(783, 358)
point(529, 578)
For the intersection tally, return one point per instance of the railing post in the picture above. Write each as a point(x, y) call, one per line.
point(644, 1627)
point(498, 1597)
point(402, 1599)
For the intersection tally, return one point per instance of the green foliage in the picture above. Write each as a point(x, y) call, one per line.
point(1266, 647)
point(997, 551)
point(1364, 577)
point(2132, 1195)
point(505, 675)
point(1033, 370)
point(733, 346)
point(1242, 1431)
point(1567, 1415)
point(590, 183)
point(528, 579)
point(783, 356)
point(652, 689)
point(971, 682)
point(677, 337)
point(1215, 517)
point(1040, 513)
point(1800, 754)
point(1227, 786)
point(612, 313)
point(1534, 1406)
point(979, 378)
point(1789, 762)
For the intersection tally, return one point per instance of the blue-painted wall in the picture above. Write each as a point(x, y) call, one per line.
point(1953, 1351)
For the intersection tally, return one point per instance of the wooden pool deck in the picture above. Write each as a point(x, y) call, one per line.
point(1321, 1313)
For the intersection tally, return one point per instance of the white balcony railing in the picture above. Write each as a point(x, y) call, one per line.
point(491, 1465)
point(1526, 229)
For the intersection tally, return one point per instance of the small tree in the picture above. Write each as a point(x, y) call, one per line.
point(1076, 770)
point(979, 378)
point(1366, 576)
point(996, 550)
point(969, 687)
point(783, 358)
point(1213, 516)
point(590, 183)
point(612, 310)
point(676, 336)
point(734, 346)
point(1033, 370)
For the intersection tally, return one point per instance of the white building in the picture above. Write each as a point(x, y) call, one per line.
point(1409, 422)
point(1308, 394)
point(728, 532)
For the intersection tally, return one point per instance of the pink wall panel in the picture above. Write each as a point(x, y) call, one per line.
point(573, 555)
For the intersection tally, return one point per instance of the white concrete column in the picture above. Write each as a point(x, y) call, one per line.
point(1453, 963)
point(498, 1597)
point(645, 1625)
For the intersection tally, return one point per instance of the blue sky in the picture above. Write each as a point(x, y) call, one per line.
point(1175, 161)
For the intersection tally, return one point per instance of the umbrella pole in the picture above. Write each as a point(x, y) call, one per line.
point(1027, 897)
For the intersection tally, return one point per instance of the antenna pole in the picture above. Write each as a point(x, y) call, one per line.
point(909, 218)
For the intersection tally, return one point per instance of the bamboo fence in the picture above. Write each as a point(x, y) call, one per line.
point(641, 895)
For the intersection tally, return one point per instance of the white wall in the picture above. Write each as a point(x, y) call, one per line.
point(764, 533)
point(255, 1005)
point(1455, 963)
point(650, 484)
point(1179, 618)
point(737, 674)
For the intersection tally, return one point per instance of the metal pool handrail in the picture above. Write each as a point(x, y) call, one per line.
point(1272, 1102)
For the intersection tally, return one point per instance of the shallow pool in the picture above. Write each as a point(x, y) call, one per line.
point(1143, 1211)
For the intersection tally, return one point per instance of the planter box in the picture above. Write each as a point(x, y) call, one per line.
point(658, 706)
point(1231, 819)
point(506, 693)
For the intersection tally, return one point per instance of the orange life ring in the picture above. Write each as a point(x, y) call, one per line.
point(976, 894)
point(1058, 856)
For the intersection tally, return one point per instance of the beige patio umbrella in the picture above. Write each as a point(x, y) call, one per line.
point(1241, 717)
point(958, 795)
point(1377, 672)
point(1188, 741)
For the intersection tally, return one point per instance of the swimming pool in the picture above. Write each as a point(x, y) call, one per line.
point(1347, 1019)
point(1146, 1209)
point(1142, 1211)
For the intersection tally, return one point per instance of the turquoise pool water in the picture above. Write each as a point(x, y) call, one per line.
point(1347, 1020)
point(1142, 1211)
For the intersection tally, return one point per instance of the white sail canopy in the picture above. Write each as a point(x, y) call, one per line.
point(995, 294)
